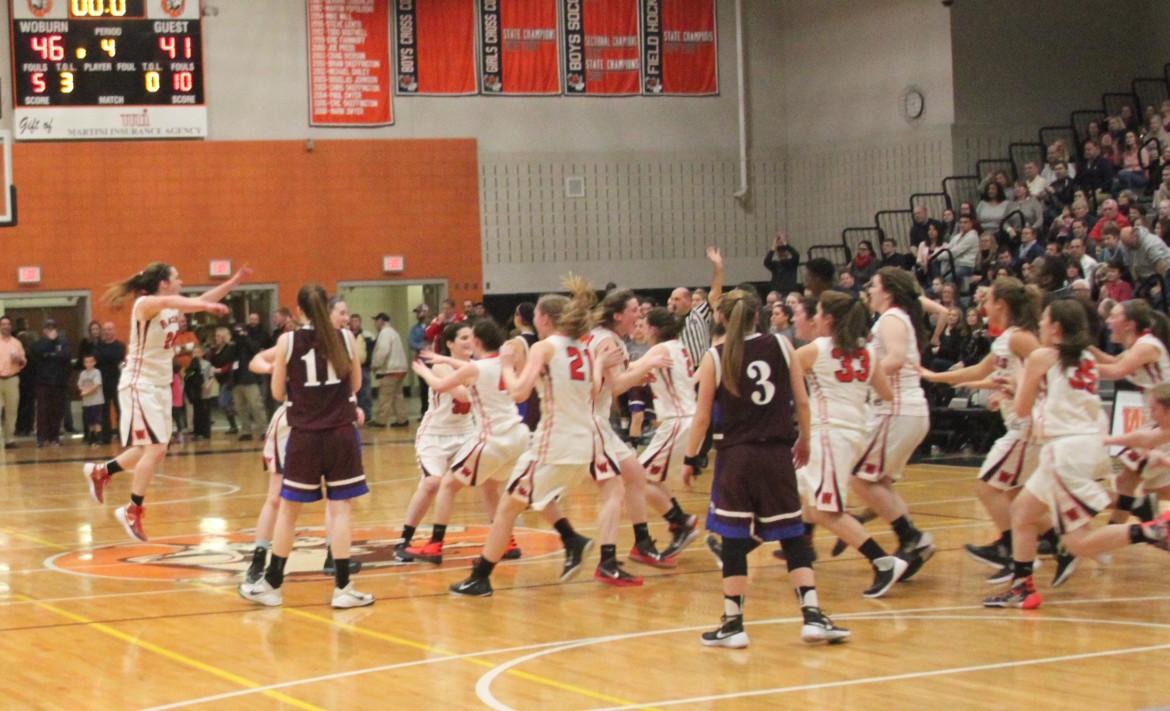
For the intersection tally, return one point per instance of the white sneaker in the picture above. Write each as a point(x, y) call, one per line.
point(819, 628)
point(261, 592)
point(350, 597)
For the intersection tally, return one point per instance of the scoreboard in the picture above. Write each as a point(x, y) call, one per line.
point(107, 69)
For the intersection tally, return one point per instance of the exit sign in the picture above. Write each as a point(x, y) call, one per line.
point(220, 268)
point(28, 275)
point(393, 264)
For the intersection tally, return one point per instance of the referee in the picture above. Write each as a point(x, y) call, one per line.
point(696, 332)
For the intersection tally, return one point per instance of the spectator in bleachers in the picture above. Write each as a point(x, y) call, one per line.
point(1051, 249)
point(1148, 256)
point(949, 223)
point(1004, 259)
point(1050, 273)
point(1134, 173)
point(1037, 185)
point(1160, 210)
point(978, 343)
point(891, 257)
point(1160, 176)
point(818, 276)
point(922, 222)
point(984, 260)
point(1057, 153)
point(1110, 247)
point(964, 249)
point(1022, 209)
point(992, 207)
point(1059, 192)
point(949, 349)
point(781, 321)
point(1115, 287)
point(1080, 211)
point(847, 284)
point(1096, 177)
point(1077, 253)
point(1029, 247)
point(926, 249)
point(864, 264)
point(1109, 213)
point(782, 261)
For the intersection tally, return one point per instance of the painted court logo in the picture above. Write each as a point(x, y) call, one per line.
point(214, 558)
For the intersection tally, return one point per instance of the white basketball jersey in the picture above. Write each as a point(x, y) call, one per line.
point(446, 416)
point(150, 355)
point(838, 384)
point(565, 432)
point(594, 339)
point(1070, 405)
point(674, 391)
point(1151, 374)
point(1008, 367)
point(490, 401)
point(909, 399)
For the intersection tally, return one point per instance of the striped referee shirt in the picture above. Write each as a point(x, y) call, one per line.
point(696, 333)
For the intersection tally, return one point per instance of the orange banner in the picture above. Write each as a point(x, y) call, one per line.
point(520, 51)
point(602, 47)
point(349, 63)
point(680, 54)
point(436, 47)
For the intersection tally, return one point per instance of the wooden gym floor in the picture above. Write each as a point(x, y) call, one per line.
point(92, 620)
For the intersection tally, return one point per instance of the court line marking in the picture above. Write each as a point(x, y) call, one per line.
point(910, 675)
point(229, 489)
point(544, 645)
point(173, 655)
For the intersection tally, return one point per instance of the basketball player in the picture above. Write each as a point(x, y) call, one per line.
point(616, 315)
point(561, 448)
point(144, 388)
point(674, 394)
point(756, 384)
point(1014, 311)
point(840, 369)
point(317, 371)
point(900, 423)
point(1145, 334)
point(490, 455)
point(1068, 421)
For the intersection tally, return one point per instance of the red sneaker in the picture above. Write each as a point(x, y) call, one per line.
point(612, 573)
point(97, 476)
point(513, 551)
point(432, 552)
point(130, 517)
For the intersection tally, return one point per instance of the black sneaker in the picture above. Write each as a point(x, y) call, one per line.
point(575, 554)
point(646, 553)
point(472, 587)
point(886, 572)
point(612, 573)
point(329, 568)
point(819, 628)
point(256, 569)
point(1003, 575)
point(916, 553)
point(1066, 563)
point(1146, 508)
point(729, 634)
point(995, 555)
point(682, 536)
point(1045, 547)
point(716, 547)
point(400, 553)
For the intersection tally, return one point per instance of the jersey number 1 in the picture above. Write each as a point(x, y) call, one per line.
point(311, 381)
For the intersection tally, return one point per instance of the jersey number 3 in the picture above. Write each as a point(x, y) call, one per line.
point(850, 372)
point(760, 372)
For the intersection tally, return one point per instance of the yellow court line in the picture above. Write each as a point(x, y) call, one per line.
point(436, 650)
point(34, 539)
point(172, 655)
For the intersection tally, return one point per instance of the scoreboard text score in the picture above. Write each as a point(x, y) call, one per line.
point(107, 69)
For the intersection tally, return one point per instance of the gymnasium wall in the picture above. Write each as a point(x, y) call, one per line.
point(93, 213)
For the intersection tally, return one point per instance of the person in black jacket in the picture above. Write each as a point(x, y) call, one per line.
point(782, 261)
point(54, 363)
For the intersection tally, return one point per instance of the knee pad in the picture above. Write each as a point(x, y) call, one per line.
point(798, 552)
point(734, 556)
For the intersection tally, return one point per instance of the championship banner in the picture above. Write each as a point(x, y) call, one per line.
point(519, 52)
point(602, 47)
point(349, 63)
point(436, 47)
point(680, 54)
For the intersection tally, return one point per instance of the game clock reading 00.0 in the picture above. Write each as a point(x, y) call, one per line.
point(107, 53)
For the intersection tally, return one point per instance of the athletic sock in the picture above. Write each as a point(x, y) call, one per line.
point(1137, 534)
point(1125, 502)
point(438, 532)
point(1051, 536)
point(136, 499)
point(871, 550)
point(263, 543)
point(675, 515)
point(807, 596)
point(408, 533)
point(483, 568)
point(341, 572)
point(641, 532)
point(1021, 570)
point(1006, 539)
point(608, 553)
point(733, 605)
point(566, 530)
point(904, 529)
point(275, 573)
point(112, 467)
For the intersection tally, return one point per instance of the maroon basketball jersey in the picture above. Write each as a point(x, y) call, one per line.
point(763, 410)
point(318, 399)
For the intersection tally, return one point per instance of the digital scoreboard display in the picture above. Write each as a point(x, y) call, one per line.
point(107, 69)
